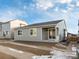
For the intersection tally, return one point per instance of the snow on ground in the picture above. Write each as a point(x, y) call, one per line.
point(65, 53)
point(15, 50)
point(52, 57)
point(56, 54)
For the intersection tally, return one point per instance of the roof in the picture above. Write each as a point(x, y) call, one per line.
point(43, 24)
point(46, 23)
point(13, 20)
point(7, 21)
point(1, 22)
point(72, 34)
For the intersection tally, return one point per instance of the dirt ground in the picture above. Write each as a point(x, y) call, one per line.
point(27, 49)
point(45, 44)
point(5, 56)
point(32, 50)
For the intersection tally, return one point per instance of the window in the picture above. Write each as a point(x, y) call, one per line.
point(7, 32)
point(52, 33)
point(57, 31)
point(4, 34)
point(64, 32)
point(33, 32)
point(19, 32)
point(78, 31)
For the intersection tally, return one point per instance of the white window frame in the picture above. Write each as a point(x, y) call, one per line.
point(34, 34)
point(20, 32)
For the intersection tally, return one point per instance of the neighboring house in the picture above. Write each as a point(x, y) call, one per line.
point(52, 31)
point(0, 26)
point(0, 29)
point(72, 37)
point(7, 28)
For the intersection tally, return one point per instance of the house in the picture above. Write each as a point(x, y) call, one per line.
point(7, 28)
point(52, 31)
point(72, 37)
point(0, 28)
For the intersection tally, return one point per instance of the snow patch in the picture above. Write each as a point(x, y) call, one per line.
point(15, 50)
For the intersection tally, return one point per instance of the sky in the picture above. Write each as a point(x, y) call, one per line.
point(35, 11)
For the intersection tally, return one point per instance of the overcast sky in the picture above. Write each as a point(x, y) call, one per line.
point(34, 11)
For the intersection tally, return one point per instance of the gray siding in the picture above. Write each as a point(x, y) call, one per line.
point(26, 35)
point(61, 27)
point(0, 30)
point(6, 27)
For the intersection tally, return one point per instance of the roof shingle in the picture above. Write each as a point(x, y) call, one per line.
point(46, 23)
